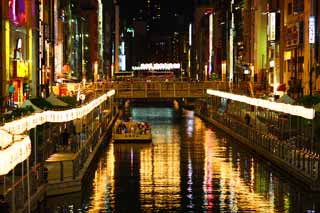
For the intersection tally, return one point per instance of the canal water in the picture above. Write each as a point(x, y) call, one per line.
point(190, 166)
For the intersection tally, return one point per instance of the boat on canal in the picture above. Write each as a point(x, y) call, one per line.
point(131, 132)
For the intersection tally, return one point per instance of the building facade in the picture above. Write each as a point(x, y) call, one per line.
point(300, 41)
point(202, 36)
point(271, 42)
point(18, 50)
point(48, 42)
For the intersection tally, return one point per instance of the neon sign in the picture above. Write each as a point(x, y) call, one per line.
point(17, 12)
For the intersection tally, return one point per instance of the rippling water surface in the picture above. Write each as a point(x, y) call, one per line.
point(189, 166)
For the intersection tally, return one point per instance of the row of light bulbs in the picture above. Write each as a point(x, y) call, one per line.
point(300, 111)
point(15, 147)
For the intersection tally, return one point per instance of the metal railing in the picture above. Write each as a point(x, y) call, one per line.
point(69, 169)
point(18, 189)
point(173, 89)
point(298, 159)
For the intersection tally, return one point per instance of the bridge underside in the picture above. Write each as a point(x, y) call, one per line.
point(151, 102)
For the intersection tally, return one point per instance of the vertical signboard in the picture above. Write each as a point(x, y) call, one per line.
point(311, 30)
point(210, 43)
point(272, 26)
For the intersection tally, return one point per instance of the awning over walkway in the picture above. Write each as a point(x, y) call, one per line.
point(286, 99)
point(56, 101)
point(29, 103)
point(317, 107)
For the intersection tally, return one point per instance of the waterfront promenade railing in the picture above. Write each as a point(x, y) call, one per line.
point(297, 160)
point(24, 184)
point(17, 189)
point(68, 167)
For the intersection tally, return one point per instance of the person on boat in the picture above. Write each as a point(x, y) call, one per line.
point(137, 129)
point(146, 125)
point(123, 128)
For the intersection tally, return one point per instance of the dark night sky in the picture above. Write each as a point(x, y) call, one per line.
point(129, 8)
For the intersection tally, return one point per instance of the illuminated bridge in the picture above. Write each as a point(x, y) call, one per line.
point(170, 89)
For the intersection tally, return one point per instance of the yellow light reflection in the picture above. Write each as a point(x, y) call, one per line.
point(160, 173)
point(103, 177)
point(207, 186)
point(252, 175)
point(233, 187)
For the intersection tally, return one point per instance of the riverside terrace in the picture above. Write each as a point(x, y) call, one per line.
point(282, 133)
point(32, 166)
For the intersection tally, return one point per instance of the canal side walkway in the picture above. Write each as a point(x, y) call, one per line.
point(38, 140)
point(67, 169)
point(299, 163)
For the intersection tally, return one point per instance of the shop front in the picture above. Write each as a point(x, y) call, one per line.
point(19, 66)
point(18, 53)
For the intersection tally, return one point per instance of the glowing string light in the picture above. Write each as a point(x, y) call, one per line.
point(15, 147)
point(15, 154)
point(300, 111)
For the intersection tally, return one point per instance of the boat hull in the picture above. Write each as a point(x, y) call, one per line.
point(132, 138)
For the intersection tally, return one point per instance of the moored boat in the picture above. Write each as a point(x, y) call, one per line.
point(131, 131)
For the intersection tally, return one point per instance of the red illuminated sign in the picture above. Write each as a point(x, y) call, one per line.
point(17, 12)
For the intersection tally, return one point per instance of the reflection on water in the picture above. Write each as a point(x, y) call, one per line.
point(189, 166)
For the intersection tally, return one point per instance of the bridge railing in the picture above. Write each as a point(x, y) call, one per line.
point(175, 89)
point(163, 89)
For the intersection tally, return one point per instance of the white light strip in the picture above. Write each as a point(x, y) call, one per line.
point(14, 152)
point(157, 66)
point(210, 43)
point(6, 139)
point(300, 111)
point(17, 127)
point(190, 35)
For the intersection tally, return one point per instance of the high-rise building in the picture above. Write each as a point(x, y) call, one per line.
point(255, 39)
point(298, 42)
point(157, 29)
point(108, 26)
point(274, 74)
point(82, 51)
point(202, 36)
point(150, 12)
